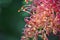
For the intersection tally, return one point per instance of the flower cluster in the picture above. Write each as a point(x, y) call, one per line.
point(44, 19)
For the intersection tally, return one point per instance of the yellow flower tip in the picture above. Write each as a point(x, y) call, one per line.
point(18, 10)
point(23, 37)
point(29, 26)
point(26, 1)
point(22, 7)
point(42, 4)
point(34, 28)
point(54, 31)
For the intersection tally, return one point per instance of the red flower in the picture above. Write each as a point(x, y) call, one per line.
point(44, 19)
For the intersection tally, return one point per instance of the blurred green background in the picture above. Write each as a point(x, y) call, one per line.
point(12, 22)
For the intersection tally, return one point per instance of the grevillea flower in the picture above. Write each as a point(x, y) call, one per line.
point(44, 19)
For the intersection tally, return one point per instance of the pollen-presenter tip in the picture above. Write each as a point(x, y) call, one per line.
point(18, 10)
point(26, 1)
